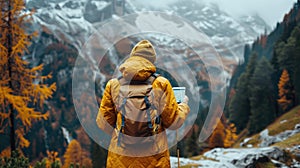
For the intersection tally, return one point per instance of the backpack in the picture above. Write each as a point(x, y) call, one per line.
point(140, 119)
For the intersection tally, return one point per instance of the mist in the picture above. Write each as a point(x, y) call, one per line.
point(271, 11)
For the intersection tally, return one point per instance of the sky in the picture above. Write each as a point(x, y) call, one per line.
point(272, 11)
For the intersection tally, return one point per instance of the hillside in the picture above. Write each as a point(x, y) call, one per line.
point(278, 145)
point(280, 133)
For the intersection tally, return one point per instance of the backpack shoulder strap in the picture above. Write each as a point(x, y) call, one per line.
point(155, 75)
point(150, 80)
point(122, 81)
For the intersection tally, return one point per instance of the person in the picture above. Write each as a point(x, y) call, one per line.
point(140, 67)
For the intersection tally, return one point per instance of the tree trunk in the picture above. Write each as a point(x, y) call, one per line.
point(10, 63)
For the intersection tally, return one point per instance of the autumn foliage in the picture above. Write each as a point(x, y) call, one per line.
point(230, 135)
point(76, 155)
point(22, 87)
point(218, 136)
point(224, 135)
point(285, 93)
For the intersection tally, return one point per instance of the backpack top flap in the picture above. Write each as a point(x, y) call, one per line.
point(136, 99)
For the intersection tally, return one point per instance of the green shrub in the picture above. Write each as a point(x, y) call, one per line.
point(15, 161)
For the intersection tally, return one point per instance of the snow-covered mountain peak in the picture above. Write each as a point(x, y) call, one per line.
point(226, 32)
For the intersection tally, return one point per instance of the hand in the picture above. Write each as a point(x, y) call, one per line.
point(185, 99)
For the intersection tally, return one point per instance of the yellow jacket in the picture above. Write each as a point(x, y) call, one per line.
point(172, 117)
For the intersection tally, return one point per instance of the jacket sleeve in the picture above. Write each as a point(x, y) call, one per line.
point(106, 118)
point(173, 114)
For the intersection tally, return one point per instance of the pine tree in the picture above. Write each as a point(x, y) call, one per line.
point(52, 161)
point(286, 53)
point(261, 97)
point(15, 161)
point(286, 56)
point(285, 92)
point(275, 79)
point(21, 88)
point(295, 77)
point(239, 106)
point(279, 52)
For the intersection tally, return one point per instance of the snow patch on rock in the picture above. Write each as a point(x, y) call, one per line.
point(234, 158)
point(267, 140)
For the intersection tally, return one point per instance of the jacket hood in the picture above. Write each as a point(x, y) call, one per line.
point(144, 49)
point(137, 68)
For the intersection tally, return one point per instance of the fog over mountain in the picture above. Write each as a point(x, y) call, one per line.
point(239, 7)
point(227, 32)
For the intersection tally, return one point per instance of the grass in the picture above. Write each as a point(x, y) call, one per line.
point(285, 122)
point(254, 141)
point(265, 165)
point(201, 157)
point(290, 142)
point(291, 118)
point(190, 166)
point(240, 139)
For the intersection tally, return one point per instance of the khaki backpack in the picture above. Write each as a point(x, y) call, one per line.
point(140, 119)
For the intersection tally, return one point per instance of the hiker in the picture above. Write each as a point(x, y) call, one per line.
point(140, 141)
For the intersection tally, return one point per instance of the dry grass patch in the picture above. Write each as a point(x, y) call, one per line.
point(290, 142)
point(285, 122)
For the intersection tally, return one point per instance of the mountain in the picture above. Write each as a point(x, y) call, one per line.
point(74, 21)
point(64, 26)
point(226, 32)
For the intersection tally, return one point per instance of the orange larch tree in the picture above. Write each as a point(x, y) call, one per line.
point(231, 136)
point(285, 91)
point(217, 137)
point(22, 88)
point(224, 135)
point(76, 155)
